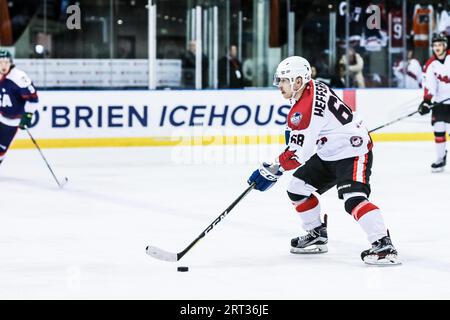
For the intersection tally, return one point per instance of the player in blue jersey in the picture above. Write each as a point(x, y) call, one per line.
point(17, 97)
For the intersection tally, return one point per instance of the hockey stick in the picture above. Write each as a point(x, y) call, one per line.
point(403, 117)
point(161, 254)
point(394, 121)
point(60, 184)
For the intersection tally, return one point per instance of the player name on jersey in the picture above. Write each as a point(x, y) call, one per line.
point(321, 120)
point(319, 106)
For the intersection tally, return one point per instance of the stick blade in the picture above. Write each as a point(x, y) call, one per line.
point(161, 254)
point(63, 182)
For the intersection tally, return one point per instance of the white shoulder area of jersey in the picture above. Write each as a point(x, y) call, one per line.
point(19, 77)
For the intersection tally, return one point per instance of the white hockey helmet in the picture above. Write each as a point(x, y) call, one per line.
point(291, 68)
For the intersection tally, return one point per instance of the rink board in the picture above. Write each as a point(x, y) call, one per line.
point(209, 117)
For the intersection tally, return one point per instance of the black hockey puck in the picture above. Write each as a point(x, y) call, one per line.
point(183, 269)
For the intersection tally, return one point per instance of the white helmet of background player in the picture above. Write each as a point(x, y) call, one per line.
point(292, 68)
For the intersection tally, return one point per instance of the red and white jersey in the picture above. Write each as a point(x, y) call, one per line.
point(436, 81)
point(409, 74)
point(321, 122)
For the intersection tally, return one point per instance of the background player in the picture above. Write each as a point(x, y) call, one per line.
point(17, 93)
point(437, 89)
point(327, 145)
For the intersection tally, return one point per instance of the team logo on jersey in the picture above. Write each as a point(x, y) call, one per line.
point(322, 141)
point(444, 79)
point(356, 141)
point(296, 118)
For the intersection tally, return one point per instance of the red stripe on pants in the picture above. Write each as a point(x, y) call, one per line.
point(366, 157)
point(355, 168)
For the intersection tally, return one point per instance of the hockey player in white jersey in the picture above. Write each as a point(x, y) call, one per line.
point(327, 145)
point(437, 97)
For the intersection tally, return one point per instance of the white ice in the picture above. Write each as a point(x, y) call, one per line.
point(88, 240)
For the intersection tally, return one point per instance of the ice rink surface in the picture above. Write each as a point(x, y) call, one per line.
point(88, 240)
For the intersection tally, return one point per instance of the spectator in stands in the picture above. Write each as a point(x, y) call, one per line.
point(325, 77)
point(188, 64)
point(230, 63)
point(321, 63)
point(355, 66)
point(338, 80)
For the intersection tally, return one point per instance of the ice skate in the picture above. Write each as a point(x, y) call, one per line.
point(439, 165)
point(314, 242)
point(382, 253)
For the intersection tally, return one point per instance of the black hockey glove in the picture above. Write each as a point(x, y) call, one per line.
point(425, 107)
point(25, 121)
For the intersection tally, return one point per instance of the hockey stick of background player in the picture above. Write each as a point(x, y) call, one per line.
point(404, 117)
point(161, 254)
point(46, 162)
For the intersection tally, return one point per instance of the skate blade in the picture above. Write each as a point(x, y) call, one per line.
point(437, 170)
point(319, 248)
point(389, 260)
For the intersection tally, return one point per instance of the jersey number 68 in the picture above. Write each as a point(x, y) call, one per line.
point(340, 110)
